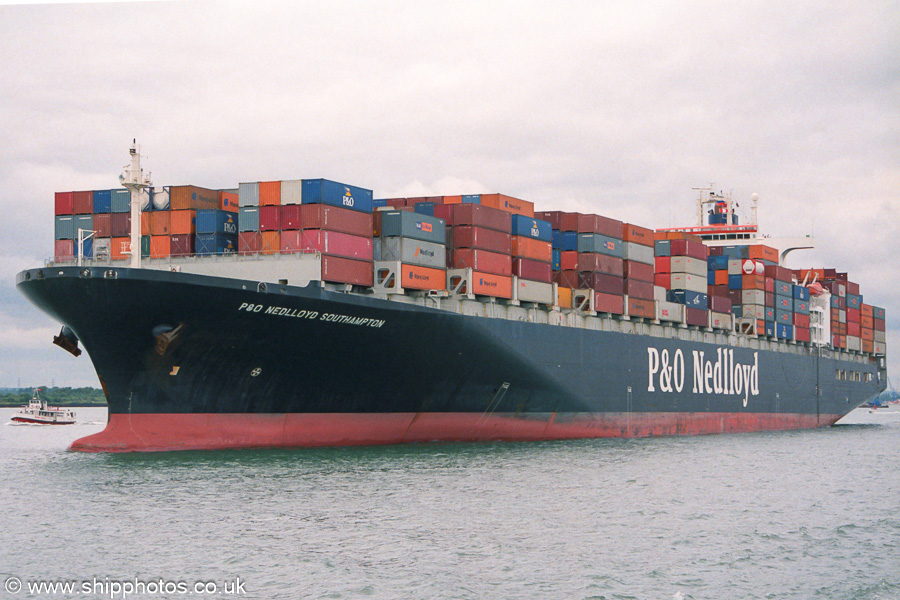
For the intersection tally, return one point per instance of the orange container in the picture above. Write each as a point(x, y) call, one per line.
point(637, 234)
point(865, 310)
point(764, 253)
point(145, 223)
point(181, 222)
point(641, 308)
point(423, 278)
point(525, 247)
point(721, 277)
point(488, 284)
point(753, 282)
point(160, 222)
point(228, 201)
point(452, 199)
point(120, 248)
point(564, 297)
point(866, 322)
point(160, 246)
point(269, 193)
point(186, 197)
point(508, 204)
point(271, 242)
point(867, 334)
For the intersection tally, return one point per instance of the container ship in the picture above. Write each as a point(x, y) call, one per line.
point(308, 313)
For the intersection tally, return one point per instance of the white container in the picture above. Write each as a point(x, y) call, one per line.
point(248, 194)
point(290, 191)
point(525, 290)
point(160, 198)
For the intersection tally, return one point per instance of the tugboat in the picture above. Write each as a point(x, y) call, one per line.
point(38, 412)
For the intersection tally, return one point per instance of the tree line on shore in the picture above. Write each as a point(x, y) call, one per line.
point(55, 396)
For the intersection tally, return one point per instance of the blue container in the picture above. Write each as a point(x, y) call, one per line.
point(784, 317)
point(401, 223)
point(710, 278)
point(662, 248)
point(737, 310)
point(878, 312)
point(688, 298)
point(717, 263)
point(784, 332)
point(835, 301)
point(215, 243)
point(87, 248)
point(854, 301)
point(770, 328)
point(532, 228)
point(64, 227)
point(735, 282)
point(601, 244)
point(801, 306)
point(565, 240)
point(248, 218)
point(213, 220)
point(556, 259)
point(425, 208)
point(120, 201)
point(102, 201)
point(770, 314)
point(736, 251)
point(801, 293)
point(325, 191)
point(379, 203)
point(471, 199)
point(783, 289)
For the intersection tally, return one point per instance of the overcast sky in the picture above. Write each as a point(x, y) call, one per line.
point(618, 108)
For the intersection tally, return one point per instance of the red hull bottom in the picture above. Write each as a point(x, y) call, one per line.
point(164, 432)
point(38, 422)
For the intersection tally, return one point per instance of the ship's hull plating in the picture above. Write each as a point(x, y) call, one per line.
point(190, 362)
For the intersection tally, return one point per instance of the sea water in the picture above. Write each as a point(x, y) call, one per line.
point(786, 515)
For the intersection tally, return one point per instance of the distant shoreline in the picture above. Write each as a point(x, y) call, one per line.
point(54, 396)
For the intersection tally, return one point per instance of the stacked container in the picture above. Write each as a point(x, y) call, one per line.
point(478, 238)
point(601, 262)
point(532, 255)
point(638, 271)
point(678, 271)
point(412, 247)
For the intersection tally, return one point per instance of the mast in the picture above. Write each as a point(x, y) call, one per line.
point(133, 178)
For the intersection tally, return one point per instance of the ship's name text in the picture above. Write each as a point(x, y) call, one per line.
point(717, 374)
point(281, 311)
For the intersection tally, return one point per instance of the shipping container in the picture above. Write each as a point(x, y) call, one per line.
point(636, 234)
point(336, 218)
point(159, 246)
point(324, 191)
point(248, 218)
point(412, 225)
point(638, 289)
point(636, 270)
point(120, 201)
point(480, 237)
point(718, 263)
point(640, 308)
point(697, 317)
point(689, 248)
point(663, 280)
point(291, 192)
point(101, 225)
point(413, 252)
point(595, 242)
point(270, 242)
point(474, 215)
point(529, 227)
point(216, 221)
point(120, 248)
point(783, 331)
point(182, 244)
point(718, 320)
point(532, 270)
point(568, 260)
point(684, 281)
point(269, 217)
point(64, 203)
point(83, 203)
point(181, 222)
point(800, 292)
point(564, 297)
point(565, 240)
point(216, 243)
point(250, 242)
point(270, 193)
point(524, 247)
point(643, 254)
point(528, 290)
point(688, 298)
point(601, 282)
point(228, 200)
point(417, 277)
point(336, 269)
point(290, 217)
point(481, 260)
point(801, 320)
point(718, 304)
point(145, 224)
point(248, 194)
point(63, 250)
point(292, 242)
point(662, 248)
point(425, 208)
point(609, 303)
point(689, 265)
point(600, 225)
point(336, 243)
point(763, 253)
point(159, 198)
point(670, 311)
point(508, 204)
point(119, 225)
point(567, 278)
point(551, 216)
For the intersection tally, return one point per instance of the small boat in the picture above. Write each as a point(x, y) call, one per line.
point(39, 412)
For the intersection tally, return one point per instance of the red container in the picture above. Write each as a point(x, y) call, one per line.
point(736, 297)
point(689, 248)
point(609, 303)
point(568, 260)
point(119, 225)
point(696, 316)
point(291, 240)
point(525, 247)
point(480, 260)
point(637, 234)
point(602, 225)
point(779, 273)
point(591, 262)
point(249, 242)
point(639, 271)
point(554, 217)
point(802, 334)
point(102, 225)
point(853, 288)
point(566, 279)
point(568, 221)
point(290, 217)
point(181, 244)
point(642, 308)
point(770, 299)
point(601, 282)
point(719, 304)
point(64, 203)
point(335, 218)
point(336, 243)
point(532, 270)
point(270, 218)
point(663, 264)
point(638, 289)
point(346, 270)
point(664, 280)
point(396, 202)
point(853, 329)
point(853, 315)
point(480, 237)
point(474, 214)
point(801, 320)
point(83, 203)
point(64, 250)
